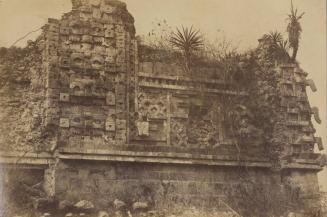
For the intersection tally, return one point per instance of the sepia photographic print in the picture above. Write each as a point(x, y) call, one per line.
point(163, 108)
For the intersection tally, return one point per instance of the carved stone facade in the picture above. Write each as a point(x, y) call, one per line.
point(119, 125)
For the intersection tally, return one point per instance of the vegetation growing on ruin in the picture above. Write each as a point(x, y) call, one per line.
point(254, 71)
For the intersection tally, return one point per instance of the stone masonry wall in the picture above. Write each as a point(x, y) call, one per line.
point(22, 96)
point(163, 186)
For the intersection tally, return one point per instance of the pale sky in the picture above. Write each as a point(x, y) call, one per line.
point(243, 21)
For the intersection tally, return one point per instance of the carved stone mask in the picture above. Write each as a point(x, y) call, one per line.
point(111, 55)
point(97, 62)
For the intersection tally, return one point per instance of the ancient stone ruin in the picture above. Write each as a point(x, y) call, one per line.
point(84, 109)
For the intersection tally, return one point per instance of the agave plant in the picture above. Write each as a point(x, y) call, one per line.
point(294, 30)
point(278, 47)
point(274, 37)
point(187, 40)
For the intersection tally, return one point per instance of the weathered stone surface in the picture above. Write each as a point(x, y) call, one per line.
point(120, 125)
point(140, 205)
point(118, 204)
point(103, 214)
point(65, 204)
point(84, 205)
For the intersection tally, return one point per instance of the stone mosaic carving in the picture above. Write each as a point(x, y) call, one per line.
point(202, 131)
point(142, 127)
point(98, 96)
point(179, 133)
point(152, 105)
point(92, 44)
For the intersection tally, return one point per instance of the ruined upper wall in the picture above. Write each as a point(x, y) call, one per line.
point(105, 11)
point(98, 97)
point(91, 59)
point(22, 96)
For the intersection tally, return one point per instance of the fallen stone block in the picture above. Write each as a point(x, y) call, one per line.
point(140, 205)
point(103, 214)
point(65, 204)
point(118, 204)
point(84, 205)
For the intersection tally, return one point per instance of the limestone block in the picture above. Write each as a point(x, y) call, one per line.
point(87, 39)
point(98, 123)
point(118, 204)
point(96, 13)
point(109, 31)
point(51, 120)
point(318, 140)
point(86, 15)
point(315, 112)
point(121, 58)
point(143, 128)
point(76, 27)
point(146, 67)
point(111, 98)
point(312, 85)
point(99, 48)
point(77, 121)
point(107, 18)
point(121, 67)
point(64, 97)
point(75, 47)
point(64, 30)
point(111, 55)
point(53, 21)
point(140, 205)
point(85, 46)
point(97, 29)
point(120, 106)
point(87, 53)
point(98, 39)
point(65, 44)
point(110, 67)
point(120, 30)
point(53, 28)
point(52, 83)
point(52, 93)
point(121, 124)
point(74, 38)
point(77, 60)
point(88, 122)
point(97, 62)
point(86, 8)
point(106, 7)
point(64, 122)
point(53, 37)
point(306, 139)
point(121, 44)
point(103, 214)
point(84, 205)
point(110, 125)
point(121, 135)
point(81, 84)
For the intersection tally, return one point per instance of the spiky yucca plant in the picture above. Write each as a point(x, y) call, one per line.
point(294, 30)
point(278, 46)
point(187, 40)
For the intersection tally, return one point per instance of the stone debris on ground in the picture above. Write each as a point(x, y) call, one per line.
point(140, 205)
point(84, 205)
point(118, 204)
point(103, 214)
point(65, 204)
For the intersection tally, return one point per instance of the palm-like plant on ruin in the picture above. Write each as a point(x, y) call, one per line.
point(187, 40)
point(278, 47)
point(294, 30)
